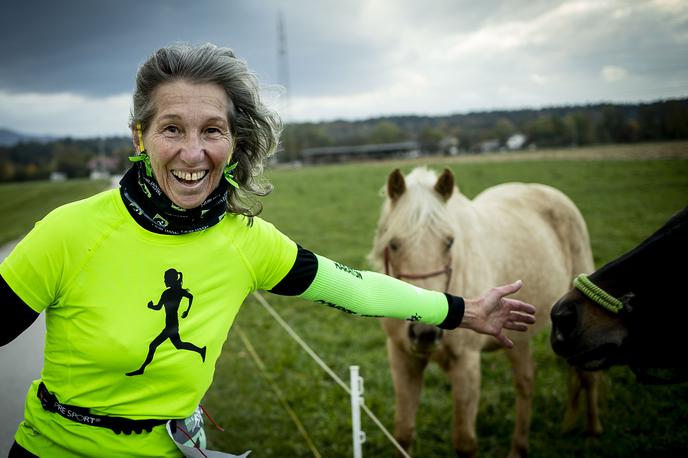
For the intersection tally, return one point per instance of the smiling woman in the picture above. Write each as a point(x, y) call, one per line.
point(188, 140)
point(181, 228)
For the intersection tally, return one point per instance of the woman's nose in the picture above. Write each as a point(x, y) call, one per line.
point(192, 149)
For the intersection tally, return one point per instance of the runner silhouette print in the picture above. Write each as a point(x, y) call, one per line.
point(171, 298)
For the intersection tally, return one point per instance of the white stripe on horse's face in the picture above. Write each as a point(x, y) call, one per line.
point(415, 229)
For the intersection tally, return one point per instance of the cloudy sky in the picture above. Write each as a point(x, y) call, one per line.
point(68, 66)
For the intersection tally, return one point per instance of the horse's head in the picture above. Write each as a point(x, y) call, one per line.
point(652, 318)
point(587, 335)
point(415, 240)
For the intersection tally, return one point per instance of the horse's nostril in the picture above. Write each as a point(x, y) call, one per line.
point(564, 320)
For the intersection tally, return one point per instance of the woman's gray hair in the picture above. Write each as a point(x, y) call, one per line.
point(254, 127)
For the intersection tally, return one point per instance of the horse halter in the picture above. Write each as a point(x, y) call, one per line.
point(597, 294)
point(446, 271)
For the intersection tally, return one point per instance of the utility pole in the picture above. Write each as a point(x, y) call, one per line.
point(283, 61)
point(283, 79)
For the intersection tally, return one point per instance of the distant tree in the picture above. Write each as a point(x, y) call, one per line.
point(504, 128)
point(430, 139)
point(584, 131)
point(8, 170)
point(614, 126)
point(542, 131)
point(386, 132)
point(297, 137)
point(674, 119)
point(71, 159)
point(650, 121)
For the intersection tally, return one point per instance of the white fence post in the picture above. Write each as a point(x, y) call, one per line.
point(359, 436)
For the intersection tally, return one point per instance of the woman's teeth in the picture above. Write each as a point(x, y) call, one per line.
point(189, 176)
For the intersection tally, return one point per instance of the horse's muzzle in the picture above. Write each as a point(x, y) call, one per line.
point(423, 337)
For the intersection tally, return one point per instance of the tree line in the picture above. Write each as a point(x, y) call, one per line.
point(569, 126)
point(550, 127)
point(71, 158)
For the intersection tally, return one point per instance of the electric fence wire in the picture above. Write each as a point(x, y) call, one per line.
point(283, 400)
point(261, 300)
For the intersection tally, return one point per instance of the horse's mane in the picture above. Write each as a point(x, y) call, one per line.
point(418, 210)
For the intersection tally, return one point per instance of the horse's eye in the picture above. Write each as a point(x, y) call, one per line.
point(450, 242)
point(394, 245)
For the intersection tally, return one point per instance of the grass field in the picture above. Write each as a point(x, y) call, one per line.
point(333, 210)
point(22, 204)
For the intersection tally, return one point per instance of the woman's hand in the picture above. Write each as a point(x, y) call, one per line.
point(493, 312)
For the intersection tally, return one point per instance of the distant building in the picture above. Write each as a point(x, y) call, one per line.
point(97, 175)
point(58, 176)
point(516, 141)
point(488, 146)
point(359, 152)
point(449, 145)
point(101, 167)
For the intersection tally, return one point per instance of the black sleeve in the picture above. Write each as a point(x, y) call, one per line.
point(301, 275)
point(16, 315)
point(455, 312)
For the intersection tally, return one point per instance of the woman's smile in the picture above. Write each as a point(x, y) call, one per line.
point(189, 178)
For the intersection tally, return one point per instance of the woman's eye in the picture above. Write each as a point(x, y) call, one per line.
point(171, 130)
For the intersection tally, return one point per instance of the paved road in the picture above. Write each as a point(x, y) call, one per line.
point(21, 362)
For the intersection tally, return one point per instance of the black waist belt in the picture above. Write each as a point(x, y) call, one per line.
point(84, 416)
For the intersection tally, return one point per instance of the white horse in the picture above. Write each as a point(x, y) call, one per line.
point(435, 237)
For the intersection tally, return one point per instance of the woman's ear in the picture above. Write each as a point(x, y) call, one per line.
point(135, 139)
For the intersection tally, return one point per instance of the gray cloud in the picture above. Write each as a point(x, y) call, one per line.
point(352, 59)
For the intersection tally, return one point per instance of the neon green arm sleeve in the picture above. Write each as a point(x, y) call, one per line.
point(373, 294)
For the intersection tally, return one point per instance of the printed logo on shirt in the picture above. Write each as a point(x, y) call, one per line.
point(171, 299)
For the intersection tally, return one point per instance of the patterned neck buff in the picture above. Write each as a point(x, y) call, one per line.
point(154, 211)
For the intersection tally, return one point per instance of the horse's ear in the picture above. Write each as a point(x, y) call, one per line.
point(445, 184)
point(396, 185)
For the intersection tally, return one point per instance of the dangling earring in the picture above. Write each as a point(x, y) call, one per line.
point(142, 156)
point(229, 174)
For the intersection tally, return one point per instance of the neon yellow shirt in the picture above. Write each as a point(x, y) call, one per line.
point(109, 289)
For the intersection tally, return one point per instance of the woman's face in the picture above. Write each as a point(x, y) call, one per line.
point(188, 140)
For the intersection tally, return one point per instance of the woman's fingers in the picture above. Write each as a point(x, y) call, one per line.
point(515, 326)
point(519, 306)
point(521, 317)
point(504, 340)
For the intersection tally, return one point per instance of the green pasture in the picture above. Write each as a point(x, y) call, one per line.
point(22, 204)
point(333, 210)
